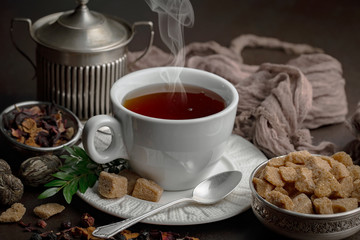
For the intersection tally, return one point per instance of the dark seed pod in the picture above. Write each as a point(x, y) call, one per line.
point(4, 167)
point(37, 171)
point(11, 189)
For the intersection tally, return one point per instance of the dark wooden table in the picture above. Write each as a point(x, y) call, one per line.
point(333, 26)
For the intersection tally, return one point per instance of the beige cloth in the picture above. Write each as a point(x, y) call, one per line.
point(278, 103)
point(353, 148)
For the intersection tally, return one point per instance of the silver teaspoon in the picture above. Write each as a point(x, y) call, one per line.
point(208, 191)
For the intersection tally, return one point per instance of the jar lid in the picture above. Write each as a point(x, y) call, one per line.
point(81, 30)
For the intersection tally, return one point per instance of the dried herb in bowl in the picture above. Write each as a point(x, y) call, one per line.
point(38, 126)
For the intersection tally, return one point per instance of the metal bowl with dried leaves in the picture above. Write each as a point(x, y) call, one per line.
point(36, 128)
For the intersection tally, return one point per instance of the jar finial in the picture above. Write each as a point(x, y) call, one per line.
point(82, 2)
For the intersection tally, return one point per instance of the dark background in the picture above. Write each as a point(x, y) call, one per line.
point(333, 26)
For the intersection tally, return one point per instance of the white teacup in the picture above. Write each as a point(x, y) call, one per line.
point(177, 154)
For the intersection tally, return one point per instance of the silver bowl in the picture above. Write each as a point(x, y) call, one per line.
point(30, 151)
point(299, 225)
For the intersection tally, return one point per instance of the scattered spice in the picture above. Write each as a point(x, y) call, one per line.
point(41, 223)
point(65, 225)
point(38, 126)
point(24, 225)
point(32, 229)
point(87, 220)
point(69, 232)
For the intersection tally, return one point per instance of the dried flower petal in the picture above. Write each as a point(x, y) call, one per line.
point(35, 110)
point(16, 133)
point(41, 223)
point(29, 125)
point(87, 220)
point(69, 133)
point(31, 142)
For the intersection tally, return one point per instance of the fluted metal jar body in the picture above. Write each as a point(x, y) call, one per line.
point(84, 89)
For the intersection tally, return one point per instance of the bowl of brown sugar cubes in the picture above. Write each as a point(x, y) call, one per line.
point(306, 196)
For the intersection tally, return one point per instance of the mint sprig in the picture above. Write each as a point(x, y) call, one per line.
point(78, 173)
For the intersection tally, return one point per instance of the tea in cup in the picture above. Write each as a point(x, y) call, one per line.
point(174, 134)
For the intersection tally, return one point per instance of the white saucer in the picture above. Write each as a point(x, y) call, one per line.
point(240, 155)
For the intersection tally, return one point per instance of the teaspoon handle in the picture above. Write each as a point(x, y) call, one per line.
point(110, 230)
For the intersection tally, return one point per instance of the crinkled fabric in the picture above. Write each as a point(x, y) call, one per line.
point(353, 147)
point(278, 103)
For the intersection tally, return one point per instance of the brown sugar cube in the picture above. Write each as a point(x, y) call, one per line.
point(261, 174)
point(356, 190)
point(131, 179)
point(282, 190)
point(112, 185)
point(262, 187)
point(330, 160)
point(302, 204)
point(323, 205)
point(276, 161)
point(344, 158)
point(47, 210)
point(304, 182)
point(147, 190)
point(272, 175)
point(288, 174)
point(330, 179)
point(316, 164)
point(280, 200)
point(346, 187)
point(13, 214)
point(322, 189)
point(339, 170)
point(299, 157)
point(344, 204)
point(293, 165)
point(354, 171)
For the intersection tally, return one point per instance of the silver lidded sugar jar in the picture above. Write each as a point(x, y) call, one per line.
point(79, 55)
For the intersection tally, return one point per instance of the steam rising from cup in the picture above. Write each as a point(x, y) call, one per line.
point(173, 15)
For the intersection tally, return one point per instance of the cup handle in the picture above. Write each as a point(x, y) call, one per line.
point(88, 136)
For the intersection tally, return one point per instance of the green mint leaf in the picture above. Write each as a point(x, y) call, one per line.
point(82, 164)
point(78, 151)
point(66, 157)
point(83, 184)
point(91, 179)
point(66, 168)
point(69, 190)
point(69, 160)
point(55, 183)
point(64, 175)
point(69, 150)
point(48, 193)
